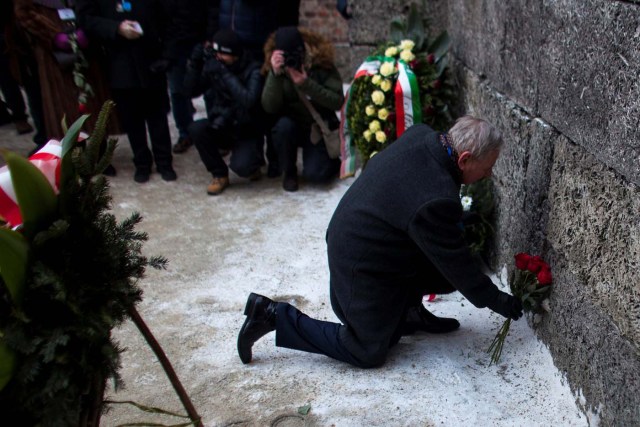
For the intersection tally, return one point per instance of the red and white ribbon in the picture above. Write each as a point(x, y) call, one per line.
point(407, 94)
point(48, 161)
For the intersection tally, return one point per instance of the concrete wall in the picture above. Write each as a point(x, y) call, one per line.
point(561, 79)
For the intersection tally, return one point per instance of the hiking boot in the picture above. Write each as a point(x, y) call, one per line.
point(217, 186)
point(290, 183)
point(182, 145)
point(261, 319)
point(420, 319)
point(167, 173)
point(23, 126)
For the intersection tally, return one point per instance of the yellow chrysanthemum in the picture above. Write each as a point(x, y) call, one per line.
point(407, 56)
point(377, 97)
point(407, 45)
point(385, 85)
point(381, 136)
point(383, 114)
point(370, 110)
point(376, 79)
point(374, 126)
point(367, 135)
point(391, 51)
point(387, 69)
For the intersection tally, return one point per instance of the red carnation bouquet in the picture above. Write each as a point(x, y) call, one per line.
point(531, 283)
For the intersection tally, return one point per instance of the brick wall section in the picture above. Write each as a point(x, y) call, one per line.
point(322, 17)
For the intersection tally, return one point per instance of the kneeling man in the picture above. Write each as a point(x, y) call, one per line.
point(393, 238)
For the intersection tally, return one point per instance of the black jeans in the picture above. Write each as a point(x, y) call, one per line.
point(246, 149)
point(140, 109)
point(317, 166)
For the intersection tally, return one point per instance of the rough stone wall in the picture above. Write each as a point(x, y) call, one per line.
point(561, 79)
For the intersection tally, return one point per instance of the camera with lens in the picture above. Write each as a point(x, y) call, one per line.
point(294, 59)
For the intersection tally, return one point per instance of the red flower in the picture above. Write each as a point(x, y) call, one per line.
point(522, 260)
point(536, 264)
point(436, 84)
point(391, 117)
point(428, 111)
point(544, 276)
point(82, 108)
point(431, 58)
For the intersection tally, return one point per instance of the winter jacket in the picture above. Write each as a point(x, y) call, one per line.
point(232, 92)
point(132, 63)
point(323, 85)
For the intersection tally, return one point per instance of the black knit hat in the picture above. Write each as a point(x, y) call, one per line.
point(226, 41)
point(289, 39)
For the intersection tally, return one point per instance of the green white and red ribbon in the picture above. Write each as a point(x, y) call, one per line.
point(407, 96)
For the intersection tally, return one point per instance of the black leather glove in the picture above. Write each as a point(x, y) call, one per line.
point(507, 305)
point(213, 66)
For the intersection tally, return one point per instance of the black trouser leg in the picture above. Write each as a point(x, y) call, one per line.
point(246, 155)
point(285, 141)
point(297, 331)
point(157, 108)
point(206, 141)
point(130, 108)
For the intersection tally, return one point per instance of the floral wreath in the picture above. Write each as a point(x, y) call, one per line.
point(402, 83)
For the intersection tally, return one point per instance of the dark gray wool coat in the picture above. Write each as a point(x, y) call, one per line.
point(395, 235)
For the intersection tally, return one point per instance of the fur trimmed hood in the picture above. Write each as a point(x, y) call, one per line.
point(319, 51)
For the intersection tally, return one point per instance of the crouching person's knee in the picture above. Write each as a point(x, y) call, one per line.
point(372, 359)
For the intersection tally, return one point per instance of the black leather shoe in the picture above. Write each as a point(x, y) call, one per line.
point(261, 319)
point(290, 183)
point(420, 319)
point(167, 173)
point(141, 175)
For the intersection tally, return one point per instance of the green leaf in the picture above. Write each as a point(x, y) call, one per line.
point(71, 136)
point(397, 31)
point(415, 27)
point(7, 364)
point(35, 196)
point(304, 410)
point(441, 65)
point(440, 45)
point(14, 251)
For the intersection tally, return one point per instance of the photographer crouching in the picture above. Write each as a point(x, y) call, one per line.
point(302, 82)
point(232, 84)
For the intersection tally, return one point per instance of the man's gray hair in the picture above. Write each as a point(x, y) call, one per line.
point(477, 136)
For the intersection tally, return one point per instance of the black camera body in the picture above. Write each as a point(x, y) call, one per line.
point(294, 59)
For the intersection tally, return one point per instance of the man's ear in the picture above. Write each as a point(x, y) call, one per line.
point(463, 159)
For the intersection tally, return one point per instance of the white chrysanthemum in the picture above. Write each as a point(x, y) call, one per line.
point(385, 85)
point(407, 56)
point(374, 126)
point(387, 69)
point(377, 97)
point(370, 110)
point(383, 113)
point(466, 202)
point(391, 51)
point(407, 45)
point(381, 136)
point(376, 79)
point(367, 135)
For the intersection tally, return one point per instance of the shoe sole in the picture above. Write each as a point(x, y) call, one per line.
point(248, 309)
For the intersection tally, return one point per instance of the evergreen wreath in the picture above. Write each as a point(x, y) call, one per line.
point(68, 276)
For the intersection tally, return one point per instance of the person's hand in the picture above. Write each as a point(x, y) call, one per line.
point(129, 30)
point(507, 305)
point(298, 77)
point(277, 61)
